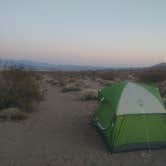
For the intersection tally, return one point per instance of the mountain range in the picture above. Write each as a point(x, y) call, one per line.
point(5, 63)
point(39, 66)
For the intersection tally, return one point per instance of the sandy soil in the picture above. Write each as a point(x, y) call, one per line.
point(60, 134)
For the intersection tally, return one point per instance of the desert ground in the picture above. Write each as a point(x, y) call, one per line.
point(60, 133)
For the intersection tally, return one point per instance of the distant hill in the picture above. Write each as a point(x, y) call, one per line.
point(44, 66)
point(161, 66)
point(23, 63)
point(56, 67)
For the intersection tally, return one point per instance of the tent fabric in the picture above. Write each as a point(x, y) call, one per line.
point(111, 95)
point(131, 116)
point(138, 100)
point(154, 91)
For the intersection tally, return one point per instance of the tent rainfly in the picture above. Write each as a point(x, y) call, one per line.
point(131, 116)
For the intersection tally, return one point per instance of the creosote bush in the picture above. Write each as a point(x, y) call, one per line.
point(13, 114)
point(19, 88)
point(89, 94)
point(71, 87)
point(106, 75)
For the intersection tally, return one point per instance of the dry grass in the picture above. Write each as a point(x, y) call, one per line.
point(89, 94)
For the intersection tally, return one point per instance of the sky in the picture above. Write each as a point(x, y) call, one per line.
point(86, 32)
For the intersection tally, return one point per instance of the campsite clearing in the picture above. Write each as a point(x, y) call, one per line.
point(60, 134)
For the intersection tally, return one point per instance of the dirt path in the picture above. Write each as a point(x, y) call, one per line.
point(60, 134)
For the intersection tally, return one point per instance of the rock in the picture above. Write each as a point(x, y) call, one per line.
point(146, 155)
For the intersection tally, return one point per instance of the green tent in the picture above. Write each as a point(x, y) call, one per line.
point(131, 116)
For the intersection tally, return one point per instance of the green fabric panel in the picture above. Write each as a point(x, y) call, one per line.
point(105, 113)
point(139, 146)
point(109, 135)
point(112, 94)
point(133, 129)
point(154, 91)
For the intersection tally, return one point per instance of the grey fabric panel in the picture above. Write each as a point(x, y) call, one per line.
point(136, 99)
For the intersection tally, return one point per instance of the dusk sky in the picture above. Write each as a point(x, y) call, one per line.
point(86, 32)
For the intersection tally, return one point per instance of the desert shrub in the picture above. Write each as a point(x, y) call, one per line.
point(38, 76)
point(163, 92)
point(151, 76)
point(53, 82)
point(13, 114)
point(71, 87)
point(162, 88)
point(19, 88)
point(19, 115)
point(164, 102)
point(104, 82)
point(106, 75)
point(89, 94)
point(72, 80)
